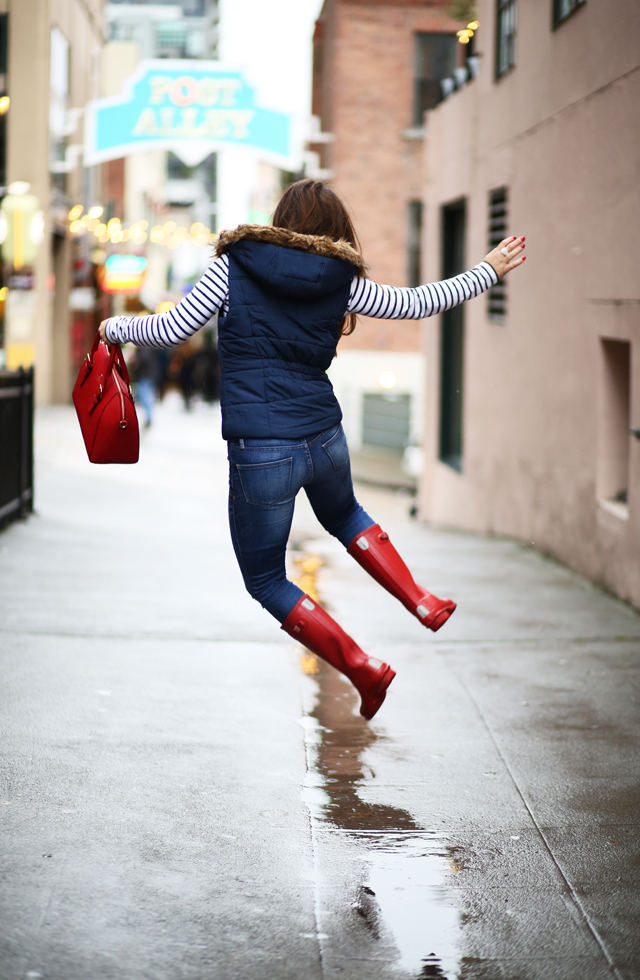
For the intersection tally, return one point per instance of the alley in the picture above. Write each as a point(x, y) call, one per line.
point(188, 794)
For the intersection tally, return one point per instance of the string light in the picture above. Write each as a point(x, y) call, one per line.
point(170, 235)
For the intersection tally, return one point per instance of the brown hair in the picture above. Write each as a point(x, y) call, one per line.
point(311, 208)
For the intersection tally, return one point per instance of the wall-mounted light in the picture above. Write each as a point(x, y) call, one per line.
point(22, 225)
point(465, 35)
point(387, 379)
point(5, 102)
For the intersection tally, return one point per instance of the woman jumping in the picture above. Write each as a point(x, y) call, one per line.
point(285, 295)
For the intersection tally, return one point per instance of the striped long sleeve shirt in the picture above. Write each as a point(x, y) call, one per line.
point(211, 295)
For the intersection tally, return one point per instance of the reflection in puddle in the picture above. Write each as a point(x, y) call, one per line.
point(403, 893)
point(407, 875)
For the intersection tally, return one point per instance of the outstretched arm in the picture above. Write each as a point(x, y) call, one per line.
point(394, 303)
point(179, 323)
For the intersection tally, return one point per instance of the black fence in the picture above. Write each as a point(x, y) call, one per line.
point(16, 444)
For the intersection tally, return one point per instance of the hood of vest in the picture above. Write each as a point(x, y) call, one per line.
point(289, 264)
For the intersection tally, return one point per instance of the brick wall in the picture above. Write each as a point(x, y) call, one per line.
point(363, 92)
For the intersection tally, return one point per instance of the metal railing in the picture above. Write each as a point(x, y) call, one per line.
point(16, 444)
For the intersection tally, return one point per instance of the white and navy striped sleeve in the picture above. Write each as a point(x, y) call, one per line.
point(175, 326)
point(416, 303)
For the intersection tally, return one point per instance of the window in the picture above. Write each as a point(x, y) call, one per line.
point(452, 340)
point(58, 106)
point(497, 295)
point(415, 243)
point(614, 429)
point(171, 39)
point(506, 35)
point(562, 9)
point(436, 55)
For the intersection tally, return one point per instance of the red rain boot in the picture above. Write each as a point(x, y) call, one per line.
point(312, 626)
point(373, 550)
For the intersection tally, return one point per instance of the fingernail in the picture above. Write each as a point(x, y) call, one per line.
point(524, 257)
point(522, 246)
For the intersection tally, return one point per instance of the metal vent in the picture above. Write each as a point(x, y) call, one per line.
point(497, 231)
point(386, 420)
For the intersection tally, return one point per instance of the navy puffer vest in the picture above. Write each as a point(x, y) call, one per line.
point(286, 308)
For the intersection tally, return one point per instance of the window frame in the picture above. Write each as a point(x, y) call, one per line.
point(501, 6)
point(556, 19)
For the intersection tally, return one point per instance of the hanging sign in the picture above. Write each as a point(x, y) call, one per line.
point(189, 107)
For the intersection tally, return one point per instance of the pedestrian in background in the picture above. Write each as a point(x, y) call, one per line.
point(144, 368)
point(286, 293)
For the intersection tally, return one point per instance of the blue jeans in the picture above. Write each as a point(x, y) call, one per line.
point(265, 476)
point(146, 396)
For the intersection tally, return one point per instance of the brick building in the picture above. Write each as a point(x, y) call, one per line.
point(377, 67)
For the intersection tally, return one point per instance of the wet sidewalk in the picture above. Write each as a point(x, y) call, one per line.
point(188, 794)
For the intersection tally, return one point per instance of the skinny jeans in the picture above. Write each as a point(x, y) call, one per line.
point(265, 476)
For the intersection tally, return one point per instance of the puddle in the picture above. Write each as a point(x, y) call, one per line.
point(401, 892)
point(407, 874)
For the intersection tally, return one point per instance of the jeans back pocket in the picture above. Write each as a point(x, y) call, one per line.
point(266, 483)
point(337, 449)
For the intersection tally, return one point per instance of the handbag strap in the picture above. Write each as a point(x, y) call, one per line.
point(115, 355)
point(122, 366)
point(108, 371)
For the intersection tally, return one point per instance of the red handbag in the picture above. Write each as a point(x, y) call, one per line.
point(104, 403)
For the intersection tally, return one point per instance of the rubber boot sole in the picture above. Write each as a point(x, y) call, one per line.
point(373, 701)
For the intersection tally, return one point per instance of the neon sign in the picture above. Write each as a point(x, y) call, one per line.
point(124, 273)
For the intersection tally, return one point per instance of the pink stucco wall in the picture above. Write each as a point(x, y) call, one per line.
point(562, 131)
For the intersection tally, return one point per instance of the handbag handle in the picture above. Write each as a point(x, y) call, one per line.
point(116, 360)
point(122, 365)
point(115, 354)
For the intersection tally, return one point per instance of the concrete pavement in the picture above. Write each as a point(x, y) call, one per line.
point(187, 794)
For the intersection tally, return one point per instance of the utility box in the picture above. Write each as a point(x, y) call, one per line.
point(16, 444)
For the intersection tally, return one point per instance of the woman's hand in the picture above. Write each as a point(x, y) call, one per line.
point(103, 332)
point(505, 263)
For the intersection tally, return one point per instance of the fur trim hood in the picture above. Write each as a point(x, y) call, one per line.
point(317, 244)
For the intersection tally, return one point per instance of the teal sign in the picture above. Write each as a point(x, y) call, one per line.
point(190, 107)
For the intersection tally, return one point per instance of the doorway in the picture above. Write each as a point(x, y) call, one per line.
point(452, 340)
